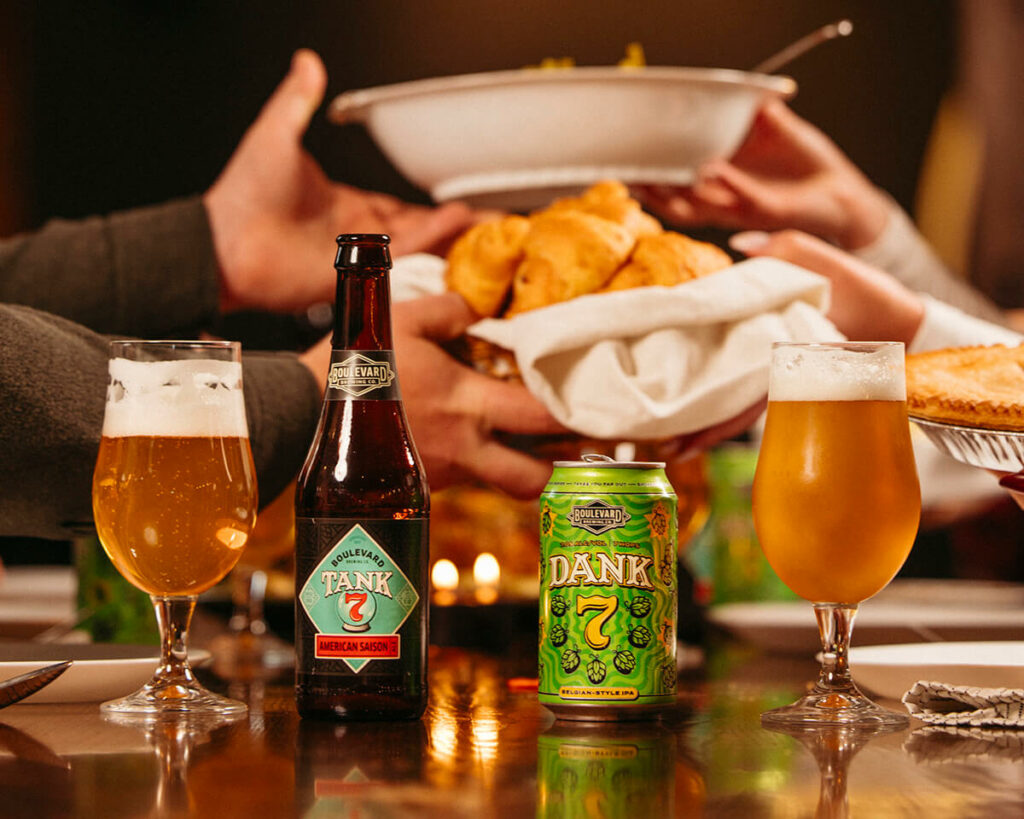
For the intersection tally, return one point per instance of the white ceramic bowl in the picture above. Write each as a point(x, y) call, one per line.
point(518, 138)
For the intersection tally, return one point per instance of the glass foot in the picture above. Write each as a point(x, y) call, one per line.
point(173, 698)
point(822, 707)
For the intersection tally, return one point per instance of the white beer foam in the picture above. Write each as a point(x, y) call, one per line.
point(834, 374)
point(189, 399)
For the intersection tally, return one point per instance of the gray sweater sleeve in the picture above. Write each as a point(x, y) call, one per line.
point(146, 273)
point(53, 376)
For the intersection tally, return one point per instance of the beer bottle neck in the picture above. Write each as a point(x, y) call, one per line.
point(362, 318)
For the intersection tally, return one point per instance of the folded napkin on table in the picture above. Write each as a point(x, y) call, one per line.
point(943, 704)
point(653, 362)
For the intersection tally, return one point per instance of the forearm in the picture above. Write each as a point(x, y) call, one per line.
point(52, 390)
point(903, 253)
point(147, 272)
point(946, 326)
point(53, 377)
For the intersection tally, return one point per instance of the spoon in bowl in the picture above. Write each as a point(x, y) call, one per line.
point(841, 28)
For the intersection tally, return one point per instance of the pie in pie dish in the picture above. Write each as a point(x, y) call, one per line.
point(980, 387)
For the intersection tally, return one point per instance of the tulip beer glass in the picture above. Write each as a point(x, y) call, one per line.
point(174, 494)
point(836, 501)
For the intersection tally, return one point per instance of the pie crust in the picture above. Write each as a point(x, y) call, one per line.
point(980, 387)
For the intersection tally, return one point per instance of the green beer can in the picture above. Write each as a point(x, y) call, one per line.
point(608, 600)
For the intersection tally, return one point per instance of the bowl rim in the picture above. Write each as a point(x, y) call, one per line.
point(353, 106)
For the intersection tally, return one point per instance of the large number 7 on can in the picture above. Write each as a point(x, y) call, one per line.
point(605, 608)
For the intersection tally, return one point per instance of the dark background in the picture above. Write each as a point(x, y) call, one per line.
point(111, 104)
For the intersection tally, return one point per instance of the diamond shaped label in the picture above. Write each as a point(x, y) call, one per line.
point(358, 598)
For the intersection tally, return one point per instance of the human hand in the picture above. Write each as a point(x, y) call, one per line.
point(867, 304)
point(786, 174)
point(686, 445)
point(1014, 484)
point(274, 214)
point(452, 409)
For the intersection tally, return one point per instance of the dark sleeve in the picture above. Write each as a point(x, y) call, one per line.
point(53, 376)
point(146, 273)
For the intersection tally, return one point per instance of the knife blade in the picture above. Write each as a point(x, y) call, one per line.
point(17, 688)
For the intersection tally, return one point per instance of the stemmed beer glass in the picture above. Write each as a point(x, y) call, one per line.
point(174, 494)
point(836, 501)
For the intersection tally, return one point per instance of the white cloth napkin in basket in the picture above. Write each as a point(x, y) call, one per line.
point(653, 362)
point(942, 704)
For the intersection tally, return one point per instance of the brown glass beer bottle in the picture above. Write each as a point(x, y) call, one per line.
point(361, 515)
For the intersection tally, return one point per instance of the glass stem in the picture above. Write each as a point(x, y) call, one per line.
point(835, 625)
point(257, 594)
point(248, 591)
point(173, 616)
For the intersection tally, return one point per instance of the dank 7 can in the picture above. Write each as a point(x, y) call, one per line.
point(608, 598)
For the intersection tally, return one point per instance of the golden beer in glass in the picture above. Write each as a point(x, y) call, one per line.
point(149, 522)
point(836, 500)
point(174, 494)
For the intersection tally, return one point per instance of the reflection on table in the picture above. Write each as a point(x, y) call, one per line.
point(486, 748)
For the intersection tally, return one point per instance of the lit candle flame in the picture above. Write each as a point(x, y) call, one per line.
point(486, 571)
point(444, 575)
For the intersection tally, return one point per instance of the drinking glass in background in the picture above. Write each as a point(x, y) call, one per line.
point(174, 494)
point(249, 650)
point(836, 501)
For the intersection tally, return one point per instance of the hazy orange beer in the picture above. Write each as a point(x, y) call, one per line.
point(836, 497)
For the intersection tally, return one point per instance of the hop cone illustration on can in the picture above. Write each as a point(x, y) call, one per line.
point(596, 670)
point(639, 636)
point(570, 659)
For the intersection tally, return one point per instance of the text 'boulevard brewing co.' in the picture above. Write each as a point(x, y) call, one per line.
point(608, 599)
point(361, 513)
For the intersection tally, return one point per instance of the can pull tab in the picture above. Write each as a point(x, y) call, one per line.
point(593, 457)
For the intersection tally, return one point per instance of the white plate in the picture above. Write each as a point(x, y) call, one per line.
point(98, 671)
point(907, 611)
point(890, 671)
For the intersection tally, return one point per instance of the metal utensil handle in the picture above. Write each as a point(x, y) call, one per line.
point(840, 28)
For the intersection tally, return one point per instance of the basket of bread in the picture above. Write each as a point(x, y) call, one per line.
point(624, 330)
point(599, 242)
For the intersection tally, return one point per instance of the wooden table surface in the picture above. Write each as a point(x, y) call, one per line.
point(485, 749)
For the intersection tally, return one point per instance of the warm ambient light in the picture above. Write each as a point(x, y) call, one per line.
point(444, 576)
point(486, 571)
point(231, 537)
